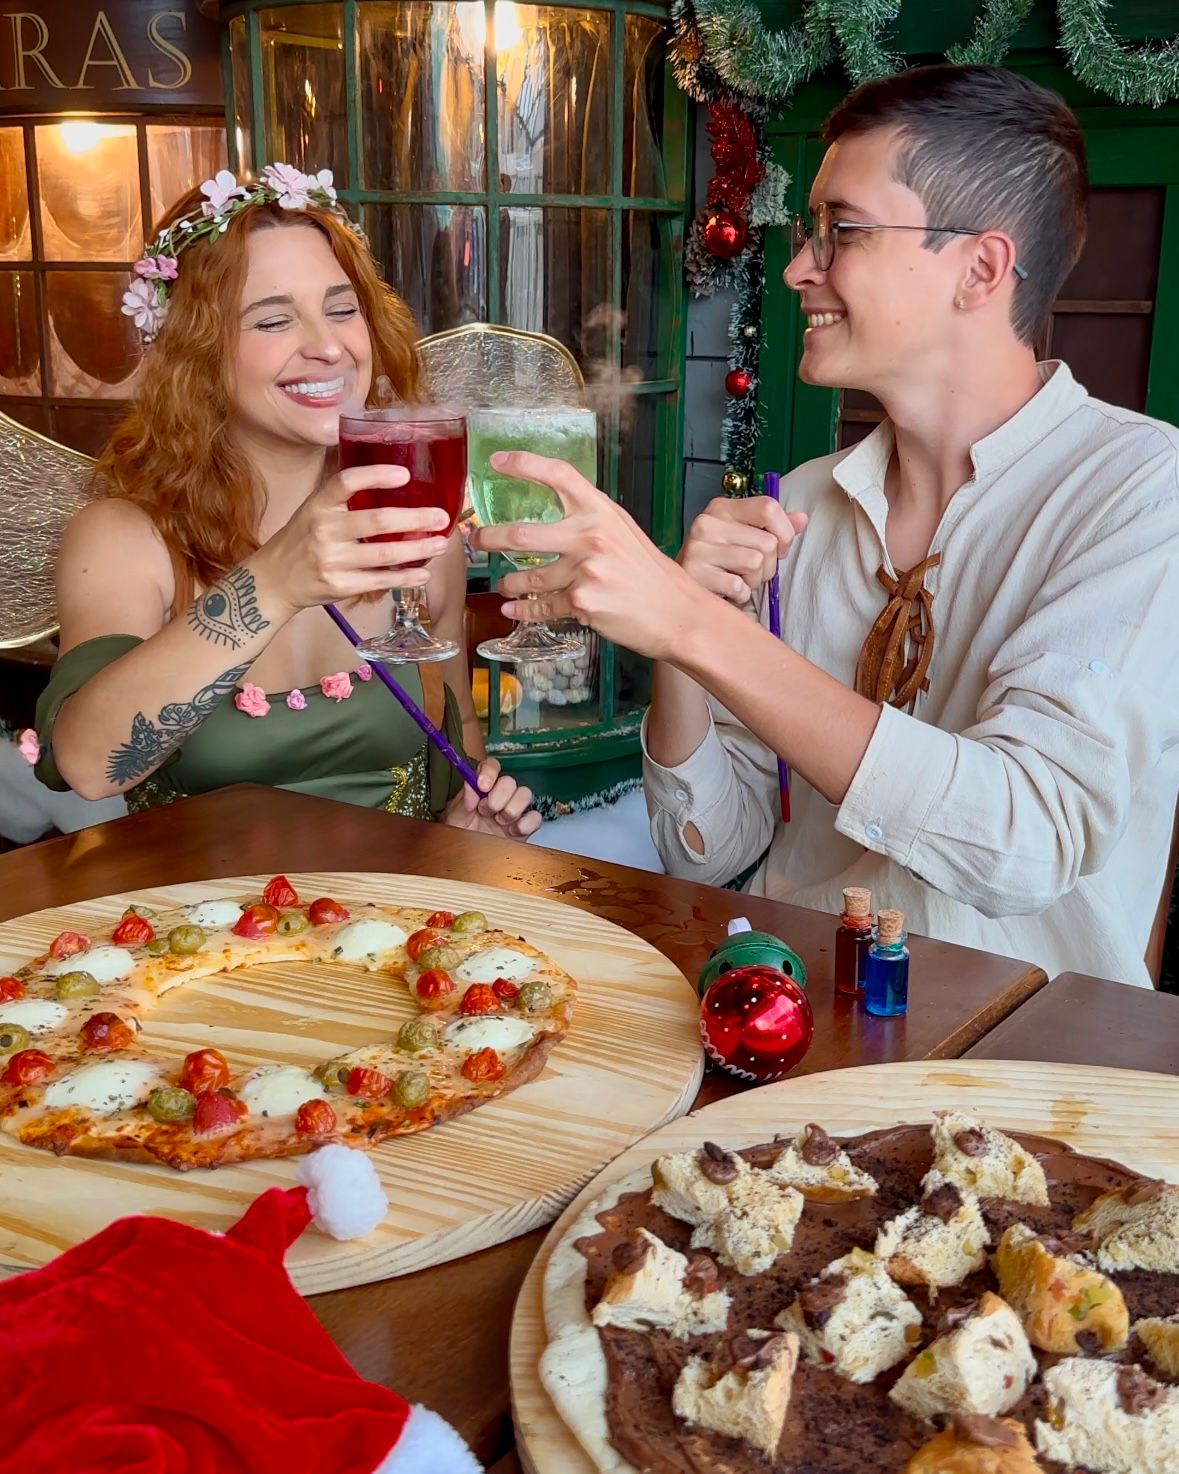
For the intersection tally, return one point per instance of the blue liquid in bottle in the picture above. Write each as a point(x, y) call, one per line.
point(886, 972)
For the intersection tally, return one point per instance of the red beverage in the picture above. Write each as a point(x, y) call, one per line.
point(433, 451)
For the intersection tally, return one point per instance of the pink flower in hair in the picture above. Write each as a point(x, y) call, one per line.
point(140, 303)
point(324, 180)
point(167, 267)
point(252, 700)
point(337, 687)
point(290, 184)
point(28, 746)
point(296, 700)
point(146, 267)
point(219, 191)
point(364, 671)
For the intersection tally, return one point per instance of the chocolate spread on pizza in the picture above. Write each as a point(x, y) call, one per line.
point(833, 1426)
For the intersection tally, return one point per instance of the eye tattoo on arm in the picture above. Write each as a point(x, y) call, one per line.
point(228, 613)
point(151, 742)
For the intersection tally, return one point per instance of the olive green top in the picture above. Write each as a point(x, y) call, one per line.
point(364, 750)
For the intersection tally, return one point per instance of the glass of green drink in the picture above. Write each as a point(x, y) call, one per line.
point(563, 434)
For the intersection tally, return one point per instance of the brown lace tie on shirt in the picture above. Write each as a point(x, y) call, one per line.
point(895, 658)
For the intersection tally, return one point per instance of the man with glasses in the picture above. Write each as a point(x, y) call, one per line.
point(975, 688)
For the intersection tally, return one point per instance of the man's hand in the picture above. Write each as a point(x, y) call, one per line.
point(735, 544)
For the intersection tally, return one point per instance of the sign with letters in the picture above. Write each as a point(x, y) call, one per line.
point(109, 56)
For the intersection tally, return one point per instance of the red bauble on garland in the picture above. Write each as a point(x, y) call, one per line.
point(756, 1023)
point(724, 234)
point(737, 382)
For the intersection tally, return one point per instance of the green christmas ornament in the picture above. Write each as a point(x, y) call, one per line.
point(743, 947)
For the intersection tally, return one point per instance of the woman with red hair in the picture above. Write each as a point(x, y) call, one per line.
point(195, 652)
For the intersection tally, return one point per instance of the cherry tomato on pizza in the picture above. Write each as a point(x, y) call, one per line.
point(483, 1065)
point(435, 989)
point(11, 988)
point(281, 893)
point(133, 931)
point(441, 920)
point(479, 998)
point(324, 910)
point(504, 990)
point(257, 922)
point(103, 1032)
point(204, 1071)
point(315, 1118)
point(368, 1084)
point(216, 1112)
point(421, 941)
point(68, 944)
point(27, 1068)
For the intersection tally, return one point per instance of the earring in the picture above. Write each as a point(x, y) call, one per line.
point(959, 302)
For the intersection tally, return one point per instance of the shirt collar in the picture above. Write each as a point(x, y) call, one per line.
point(863, 469)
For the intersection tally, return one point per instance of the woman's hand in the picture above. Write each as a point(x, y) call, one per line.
point(318, 557)
point(501, 807)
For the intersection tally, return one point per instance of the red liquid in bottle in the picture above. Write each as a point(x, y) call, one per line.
point(436, 459)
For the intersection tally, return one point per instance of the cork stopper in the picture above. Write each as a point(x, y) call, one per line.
point(857, 902)
point(890, 927)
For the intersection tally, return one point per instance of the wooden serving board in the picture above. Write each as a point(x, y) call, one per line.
point(1123, 1114)
point(631, 1061)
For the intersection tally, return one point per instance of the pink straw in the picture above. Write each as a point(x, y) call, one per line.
point(439, 739)
point(770, 488)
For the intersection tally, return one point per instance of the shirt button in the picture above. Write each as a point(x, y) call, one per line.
point(682, 795)
point(874, 832)
point(1098, 667)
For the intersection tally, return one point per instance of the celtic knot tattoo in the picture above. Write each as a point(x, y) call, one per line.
point(151, 742)
point(228, 613)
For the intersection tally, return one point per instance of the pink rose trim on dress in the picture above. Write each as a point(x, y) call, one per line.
point(28, 746)
point(252, 700)
point(364, 671)
point(337, 687)
point(296, 700)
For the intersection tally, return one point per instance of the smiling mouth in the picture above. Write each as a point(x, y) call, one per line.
point(314, 390)
point(824, 319)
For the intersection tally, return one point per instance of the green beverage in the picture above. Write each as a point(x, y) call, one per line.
point(562, 434)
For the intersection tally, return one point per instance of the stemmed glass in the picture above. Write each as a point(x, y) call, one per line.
point(430, 441)
point(564, 434)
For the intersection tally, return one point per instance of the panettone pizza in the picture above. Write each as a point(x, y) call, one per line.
point(926, 1300)
point(76, 1080)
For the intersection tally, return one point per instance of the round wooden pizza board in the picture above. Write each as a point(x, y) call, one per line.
point(631, 1061)
point(1122, 1114)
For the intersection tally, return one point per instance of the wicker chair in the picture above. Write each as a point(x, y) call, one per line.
point(42, 485)
point(481, 365)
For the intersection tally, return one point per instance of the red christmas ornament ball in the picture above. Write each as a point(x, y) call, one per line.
point(724, 234)
point(756, 1023)
point(737, 383)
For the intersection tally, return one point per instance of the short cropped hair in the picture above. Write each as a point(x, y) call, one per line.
point(986, 148)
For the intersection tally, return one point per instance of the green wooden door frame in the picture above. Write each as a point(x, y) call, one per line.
point(1127, 146)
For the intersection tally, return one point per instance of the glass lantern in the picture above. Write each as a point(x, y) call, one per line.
point(522, 165)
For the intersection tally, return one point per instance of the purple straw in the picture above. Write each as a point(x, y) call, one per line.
point(770, 488)
point(439, 739)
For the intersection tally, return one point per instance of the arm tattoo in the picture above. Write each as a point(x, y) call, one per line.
point(151, 743)
point(228, 613)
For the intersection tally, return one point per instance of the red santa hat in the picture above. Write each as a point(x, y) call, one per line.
point(156, 1348)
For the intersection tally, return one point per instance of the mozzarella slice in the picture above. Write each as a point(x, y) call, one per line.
point(360, 939)
point(489, 1032)
point(105, 1087)
point(37, 1015)
point(213, 913)
point(279, 1090)
point(496, 962)
point(104, 964)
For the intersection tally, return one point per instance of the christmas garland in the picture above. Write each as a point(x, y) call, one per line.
point(723, 54)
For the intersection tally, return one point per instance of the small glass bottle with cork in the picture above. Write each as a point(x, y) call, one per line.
point(853, 937)
point(886, 968)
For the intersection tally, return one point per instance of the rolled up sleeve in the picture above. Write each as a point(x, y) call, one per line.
point(1082, 701)
point(726, 789)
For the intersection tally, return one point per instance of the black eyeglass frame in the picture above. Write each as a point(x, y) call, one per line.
point(826, 230)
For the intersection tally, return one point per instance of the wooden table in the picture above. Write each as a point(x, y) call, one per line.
point(1090, 1021)
point(440, 1336)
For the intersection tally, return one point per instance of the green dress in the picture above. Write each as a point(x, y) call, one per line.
point(364, 750)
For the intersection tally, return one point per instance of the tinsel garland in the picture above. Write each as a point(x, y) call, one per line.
point(723, 52)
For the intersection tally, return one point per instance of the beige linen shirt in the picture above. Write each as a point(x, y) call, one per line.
point(1026, 804)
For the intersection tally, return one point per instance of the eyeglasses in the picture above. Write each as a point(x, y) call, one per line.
point(825, 232)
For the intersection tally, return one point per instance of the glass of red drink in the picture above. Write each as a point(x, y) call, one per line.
point(430, 441)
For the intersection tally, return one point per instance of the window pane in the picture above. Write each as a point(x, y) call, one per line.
point(16, 242)
point(554, 278)
point(636, 456)
point(89, 181)
point(1109, 354)
point(1121, 256)
point(650, 253)
point(94, 350)
point(20, 363)
point(240, 64)
point(178, 159)
point(87, 427)
point(303, 88)
point(642, 108)
point(35, 416)
point(421, 93)
point(435, 256)
point(554, 99)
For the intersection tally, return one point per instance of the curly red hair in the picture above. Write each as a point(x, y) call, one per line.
point(172, 454)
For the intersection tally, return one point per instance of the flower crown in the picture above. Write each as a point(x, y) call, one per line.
point(146, 300)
